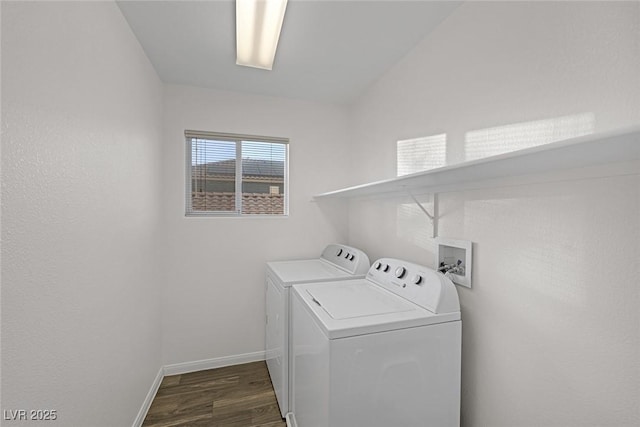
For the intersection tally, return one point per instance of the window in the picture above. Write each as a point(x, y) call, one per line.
point(236, 175)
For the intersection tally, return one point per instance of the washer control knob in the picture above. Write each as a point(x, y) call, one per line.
point(339, 252)
point(351, 257)
point(400, 272)
point(377, 265)
point(417, 279)
point(385, 268)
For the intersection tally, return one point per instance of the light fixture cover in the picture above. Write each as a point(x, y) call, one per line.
point(258, 25)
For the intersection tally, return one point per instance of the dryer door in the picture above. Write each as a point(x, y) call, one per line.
point(276, 342)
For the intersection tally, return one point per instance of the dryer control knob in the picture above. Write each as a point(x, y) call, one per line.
point(417, 279)
point(351, 257)
point(385, 268)
point(377, 265)
point(339, 252)
point(400, 272)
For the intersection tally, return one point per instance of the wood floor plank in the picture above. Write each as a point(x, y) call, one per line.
point(238, 418)
point(182, 420)
point(232, 396)
point(170, 380)
point(205, 385)
point(228, 403)
point(265, 414)
point(271, 424)
point(182, 403)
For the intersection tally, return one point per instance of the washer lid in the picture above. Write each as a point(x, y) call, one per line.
point(358, 307)
point(351, 300)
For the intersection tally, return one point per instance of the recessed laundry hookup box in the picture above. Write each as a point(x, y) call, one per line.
point(454, 259)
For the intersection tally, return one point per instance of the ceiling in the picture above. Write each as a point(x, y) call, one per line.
point(329, 51)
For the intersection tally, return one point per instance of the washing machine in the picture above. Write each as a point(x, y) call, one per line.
point(380, 351)
point(336, 263)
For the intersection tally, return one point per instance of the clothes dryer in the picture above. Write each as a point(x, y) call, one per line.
point(377, 352)
point(337, 262)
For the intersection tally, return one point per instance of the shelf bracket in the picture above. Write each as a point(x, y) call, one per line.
point(433, 218)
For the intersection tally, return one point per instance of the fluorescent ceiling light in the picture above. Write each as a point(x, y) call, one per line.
point(258, 25)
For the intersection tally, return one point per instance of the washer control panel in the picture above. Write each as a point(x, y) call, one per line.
point(417, 283)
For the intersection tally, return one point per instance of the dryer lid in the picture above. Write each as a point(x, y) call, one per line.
point(358, 299)
point(304, 271)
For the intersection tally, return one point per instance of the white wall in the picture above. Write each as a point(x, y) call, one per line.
point(81, 150)
point(214, 296)
point(551, 330)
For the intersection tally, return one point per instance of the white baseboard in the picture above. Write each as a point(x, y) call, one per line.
point(218, 362)
point(147, 400)
point(186, 367)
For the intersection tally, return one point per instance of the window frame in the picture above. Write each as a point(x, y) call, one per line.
point(237, 139)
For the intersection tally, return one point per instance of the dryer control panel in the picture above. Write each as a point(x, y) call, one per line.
point(417, 283)
point(350, 259)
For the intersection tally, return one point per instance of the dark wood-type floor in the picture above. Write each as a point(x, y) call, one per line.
point(234, 396)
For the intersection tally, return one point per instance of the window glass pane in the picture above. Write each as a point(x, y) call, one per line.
point(263, 178)
point(213, 175)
